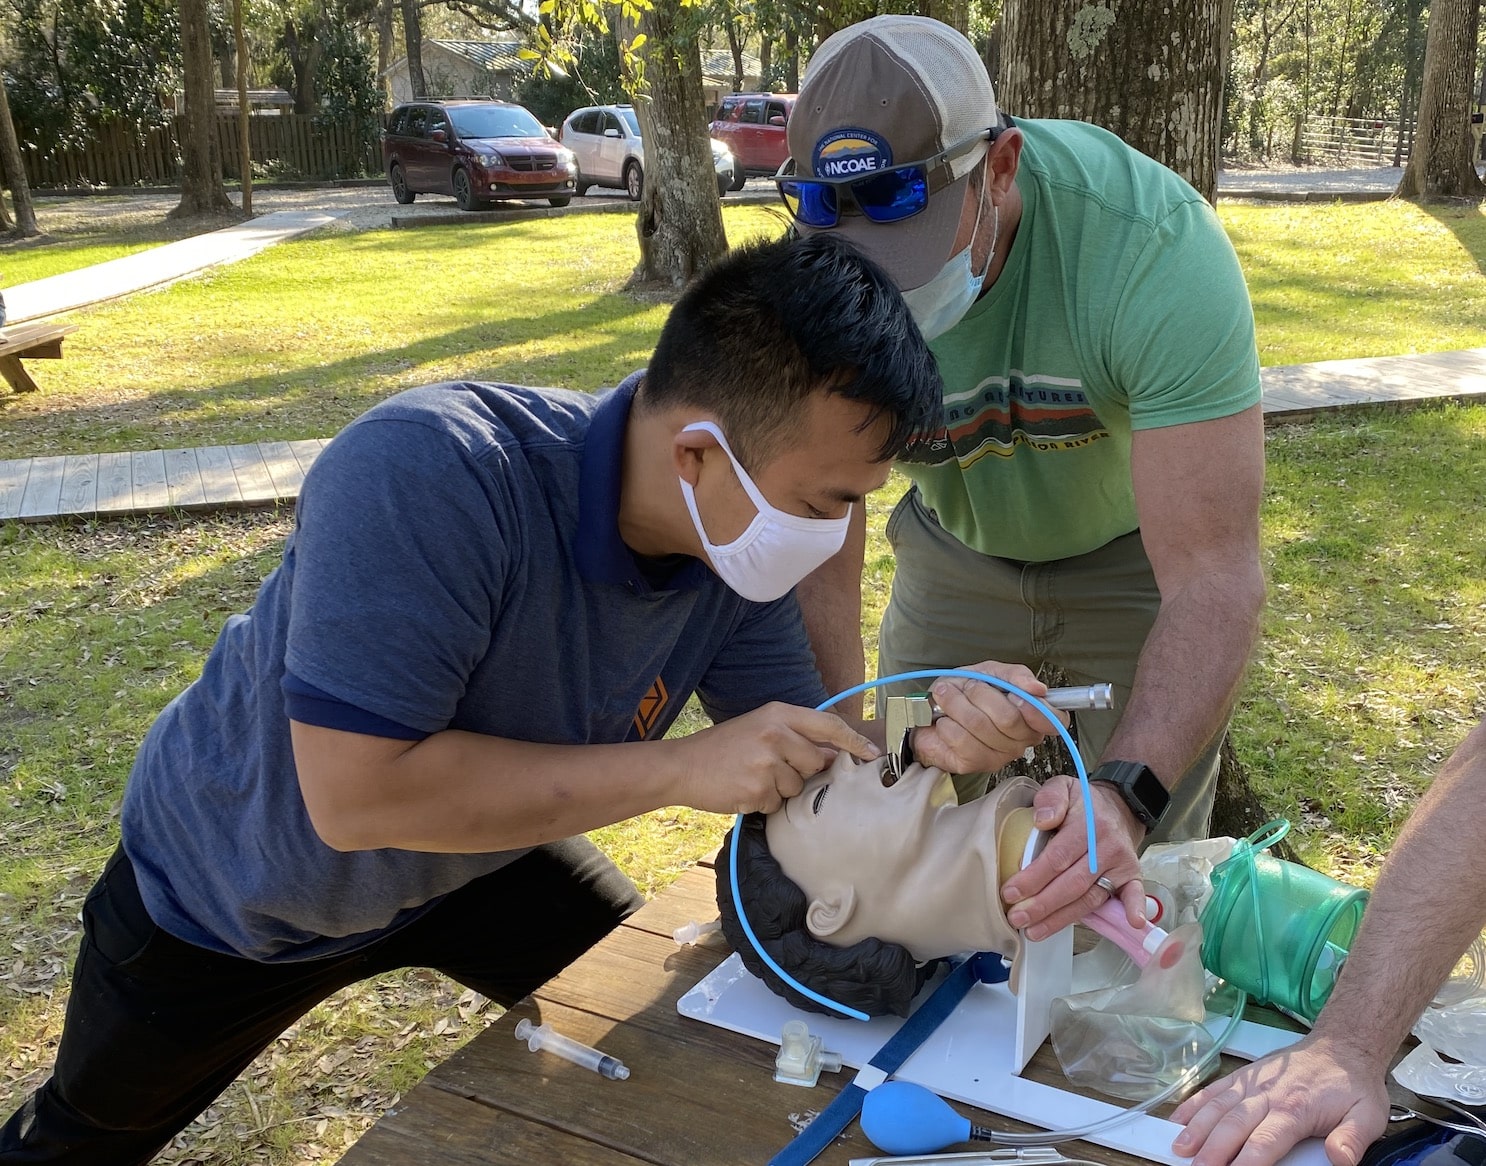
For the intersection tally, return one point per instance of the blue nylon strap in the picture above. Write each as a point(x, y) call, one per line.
point(985, 967)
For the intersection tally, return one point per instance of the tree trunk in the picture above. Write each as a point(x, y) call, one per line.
point(201, 163)
point(1440, 165)
point(384, 46)
point(792, 53)
point(955, 13)
point(735, 47)
point(244, 112)
point(412, 35)
point(1150, 71)
point(304, 55)
point(1237, 810)
point(680, 220)
point(15, 171)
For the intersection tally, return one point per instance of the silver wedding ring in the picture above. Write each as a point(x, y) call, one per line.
point(1103, 881)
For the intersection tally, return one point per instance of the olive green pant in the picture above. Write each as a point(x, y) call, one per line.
point(952, 606)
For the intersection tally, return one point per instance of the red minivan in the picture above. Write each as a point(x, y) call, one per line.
point(752, 126)
point(478, 151)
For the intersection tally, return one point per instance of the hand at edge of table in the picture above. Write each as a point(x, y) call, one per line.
point(1254, 1116)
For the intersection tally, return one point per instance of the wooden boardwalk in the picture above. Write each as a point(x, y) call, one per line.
point(269, 472)
point(215, 477)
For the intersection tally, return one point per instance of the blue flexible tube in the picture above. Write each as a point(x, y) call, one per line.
point(921, 674)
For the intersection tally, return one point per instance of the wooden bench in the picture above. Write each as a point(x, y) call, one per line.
point(39, 340)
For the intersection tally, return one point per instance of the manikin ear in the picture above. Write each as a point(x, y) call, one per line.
point(689, 449)
point(830, 911)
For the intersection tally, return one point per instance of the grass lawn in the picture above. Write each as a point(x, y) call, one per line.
point(1369, 673)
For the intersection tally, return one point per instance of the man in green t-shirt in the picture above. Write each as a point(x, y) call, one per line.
point(1091, 498)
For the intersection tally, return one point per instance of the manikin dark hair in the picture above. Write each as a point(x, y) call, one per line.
point(873, 976)
point(773, 322)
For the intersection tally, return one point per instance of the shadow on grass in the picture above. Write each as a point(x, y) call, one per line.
point(1466, 222)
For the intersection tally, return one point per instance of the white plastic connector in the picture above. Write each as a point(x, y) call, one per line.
point(801, 1058)
point(692, 932)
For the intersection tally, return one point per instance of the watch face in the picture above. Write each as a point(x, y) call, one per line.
point(1141, 789)
point(1152, 794)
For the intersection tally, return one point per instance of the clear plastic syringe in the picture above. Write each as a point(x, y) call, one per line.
point(542, 1037)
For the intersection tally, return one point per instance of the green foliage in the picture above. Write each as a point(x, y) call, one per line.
point(346, 82)
point(76, 62)
point(591, 76)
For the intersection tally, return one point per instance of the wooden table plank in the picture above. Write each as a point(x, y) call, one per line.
point(712, 1099)
point(79, 485)
point(115, 483)
point(150, 489)
point(696, 1095)
point(454, 1131)
point(43, 487)
point(183, 478)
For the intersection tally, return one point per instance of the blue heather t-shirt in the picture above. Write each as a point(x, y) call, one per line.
point(456, 564)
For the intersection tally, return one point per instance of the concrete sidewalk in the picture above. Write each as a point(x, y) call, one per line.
point(157, 265)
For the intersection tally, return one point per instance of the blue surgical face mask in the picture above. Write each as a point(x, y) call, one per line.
point(941, 303)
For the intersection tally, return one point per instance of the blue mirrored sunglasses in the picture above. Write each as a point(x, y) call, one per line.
point(884, 196)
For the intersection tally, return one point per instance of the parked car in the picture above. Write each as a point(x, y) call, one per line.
point(752, 126)
point(478, 151)
point(605, 139)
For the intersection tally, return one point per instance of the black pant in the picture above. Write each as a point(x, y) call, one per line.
point(156, 1028)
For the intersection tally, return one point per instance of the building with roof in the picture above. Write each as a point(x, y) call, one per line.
point(463, 68)
point(718, 77)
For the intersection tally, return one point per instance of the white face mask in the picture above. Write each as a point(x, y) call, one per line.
point(941, 303)
point(777, 550)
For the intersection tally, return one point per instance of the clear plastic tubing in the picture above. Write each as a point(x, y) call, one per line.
point(542, 1037)
point(1191, 1077)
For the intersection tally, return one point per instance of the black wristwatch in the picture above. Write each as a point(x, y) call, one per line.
point(1141, 789)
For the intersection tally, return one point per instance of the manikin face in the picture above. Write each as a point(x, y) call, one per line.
point(903, 863)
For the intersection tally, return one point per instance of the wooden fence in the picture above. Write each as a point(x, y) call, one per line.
point(1352, 141)
point(291, 145)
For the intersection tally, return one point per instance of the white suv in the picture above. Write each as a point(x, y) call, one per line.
point(605, 140)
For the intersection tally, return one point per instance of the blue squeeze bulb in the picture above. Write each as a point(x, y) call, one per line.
point(899, 1117)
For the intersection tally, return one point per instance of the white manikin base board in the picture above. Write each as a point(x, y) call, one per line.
point(969, 1058)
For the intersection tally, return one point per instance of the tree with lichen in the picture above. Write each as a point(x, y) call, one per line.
point(1150, 71)
point(680, 221)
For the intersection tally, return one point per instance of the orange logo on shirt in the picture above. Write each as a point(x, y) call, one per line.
point(651, 706)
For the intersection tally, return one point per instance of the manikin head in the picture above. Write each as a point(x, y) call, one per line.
point(903, 862)
point(855, 887)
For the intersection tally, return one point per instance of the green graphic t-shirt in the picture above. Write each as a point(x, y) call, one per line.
point(1121, 307)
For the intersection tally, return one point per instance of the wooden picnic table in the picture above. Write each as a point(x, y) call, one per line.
point(40, 340)
point(697, 1095)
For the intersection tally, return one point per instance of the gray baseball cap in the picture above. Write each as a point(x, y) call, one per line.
point(887, 91)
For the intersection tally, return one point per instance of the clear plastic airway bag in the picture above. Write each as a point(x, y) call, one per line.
point(1136, 1040)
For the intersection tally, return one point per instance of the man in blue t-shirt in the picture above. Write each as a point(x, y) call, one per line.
point(494, 603)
